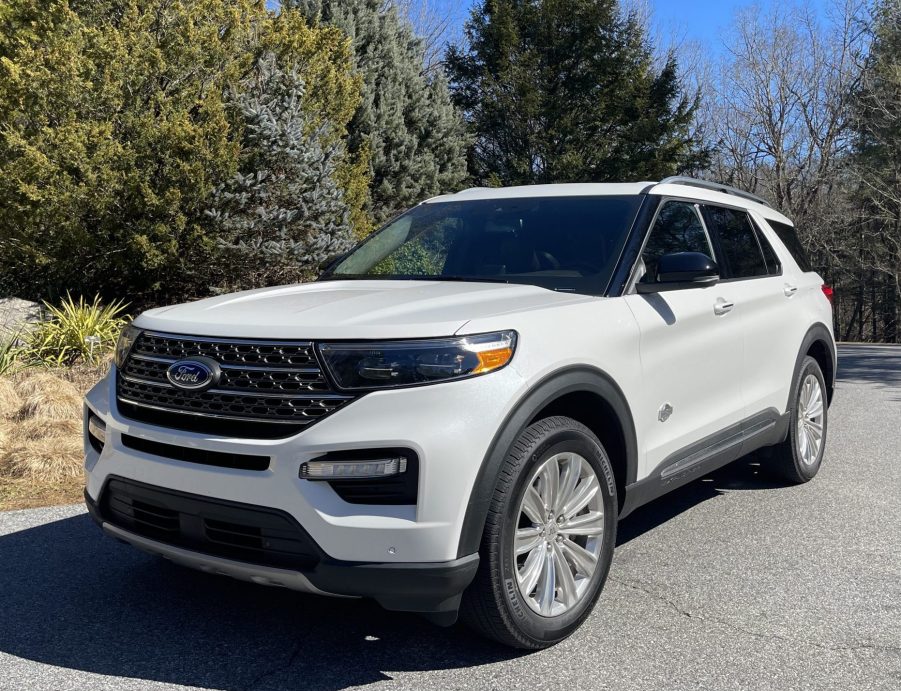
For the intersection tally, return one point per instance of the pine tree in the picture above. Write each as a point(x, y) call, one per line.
point(567, 91)
point(284, 211)
point(415, 136)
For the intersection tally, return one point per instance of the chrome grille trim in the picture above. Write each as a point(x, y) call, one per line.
point(216, 417)
point(256, 368)
point(241, 392)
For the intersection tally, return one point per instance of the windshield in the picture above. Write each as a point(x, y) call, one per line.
point(559, 243)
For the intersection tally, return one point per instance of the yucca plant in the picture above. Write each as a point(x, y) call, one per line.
point(76, 330)
point(10, 354)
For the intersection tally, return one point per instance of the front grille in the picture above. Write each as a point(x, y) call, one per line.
point(266, 389)
point(226, 529)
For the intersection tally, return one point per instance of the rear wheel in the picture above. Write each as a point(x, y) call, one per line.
point(799, 457)
point(549, 537)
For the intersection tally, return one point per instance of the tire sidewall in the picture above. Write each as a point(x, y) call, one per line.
point(530, 623)
point(808, 471)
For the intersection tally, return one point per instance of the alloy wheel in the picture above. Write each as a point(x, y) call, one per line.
point(811, 411)
point(559, 534)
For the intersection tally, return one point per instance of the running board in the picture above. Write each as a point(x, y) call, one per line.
point(707, 455)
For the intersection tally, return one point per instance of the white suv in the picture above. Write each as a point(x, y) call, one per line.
point(455, 416)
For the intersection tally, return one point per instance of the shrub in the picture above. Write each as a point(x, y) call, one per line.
point(76, 331)
point(114, 131)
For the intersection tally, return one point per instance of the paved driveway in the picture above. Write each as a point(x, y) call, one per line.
point(730, 583)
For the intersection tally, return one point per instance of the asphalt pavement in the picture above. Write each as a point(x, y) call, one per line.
point(732, 582)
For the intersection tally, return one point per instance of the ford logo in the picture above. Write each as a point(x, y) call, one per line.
point(195, 374)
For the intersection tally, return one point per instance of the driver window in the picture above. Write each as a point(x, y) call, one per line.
point(678, 228)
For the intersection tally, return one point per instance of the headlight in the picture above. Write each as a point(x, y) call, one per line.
point(407, 363)
point(126, 340)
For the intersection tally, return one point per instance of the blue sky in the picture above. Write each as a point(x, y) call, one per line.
point(681, 20)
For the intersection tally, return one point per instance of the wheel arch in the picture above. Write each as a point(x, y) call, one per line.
point(818, 344)
point(588, 395)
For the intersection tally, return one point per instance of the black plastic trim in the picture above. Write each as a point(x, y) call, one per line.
point(430, 588)
point(709, 454)
point(194, 522)
point(569, 380)
point(195, 455)
point(632, 249)
point(816, 333)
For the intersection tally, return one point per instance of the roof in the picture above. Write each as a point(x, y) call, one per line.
point(667, 188)
point(578, 189)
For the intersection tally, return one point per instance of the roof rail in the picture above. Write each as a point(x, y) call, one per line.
point(715, 186)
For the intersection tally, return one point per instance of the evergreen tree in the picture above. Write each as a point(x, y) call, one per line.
point(114, 132)
point(414, 135)
point(284, 210)
point(877, 167)
point(565, 91)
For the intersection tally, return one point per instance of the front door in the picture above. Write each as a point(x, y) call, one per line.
point(691, 346)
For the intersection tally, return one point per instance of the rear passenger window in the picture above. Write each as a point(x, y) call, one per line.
point(789, 238)
point(678, 228)
point(739, 249)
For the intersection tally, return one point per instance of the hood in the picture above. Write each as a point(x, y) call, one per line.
point(352, 309)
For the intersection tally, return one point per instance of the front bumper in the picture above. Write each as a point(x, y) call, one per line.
point(448, 426)
point(429, 588)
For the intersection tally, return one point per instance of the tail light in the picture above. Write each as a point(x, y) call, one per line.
point(828, 292)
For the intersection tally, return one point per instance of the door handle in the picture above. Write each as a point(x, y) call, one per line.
point(789, 290)
point(722, 307)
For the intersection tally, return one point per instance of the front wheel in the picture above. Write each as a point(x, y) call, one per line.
point(548, 539)
point(799, 457)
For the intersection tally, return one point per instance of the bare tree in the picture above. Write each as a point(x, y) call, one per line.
point(435, 24)
point(783, 112)
point(781, 115)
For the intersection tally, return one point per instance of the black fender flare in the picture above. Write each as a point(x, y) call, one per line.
point(568, 380)
point(816, 333)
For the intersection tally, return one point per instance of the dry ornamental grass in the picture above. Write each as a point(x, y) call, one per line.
point(50, 459)
point(10, 400)
point(41, 449)
point(58, 401)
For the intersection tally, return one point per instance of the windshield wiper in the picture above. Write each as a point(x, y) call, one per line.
point(475, 279)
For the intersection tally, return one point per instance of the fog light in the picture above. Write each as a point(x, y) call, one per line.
point(96, 432)
point(370, 468)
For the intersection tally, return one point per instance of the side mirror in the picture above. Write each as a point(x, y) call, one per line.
point(330, 261)
point(681, 270)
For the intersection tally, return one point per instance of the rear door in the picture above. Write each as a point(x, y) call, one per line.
point(690, 346)
point(771, 327)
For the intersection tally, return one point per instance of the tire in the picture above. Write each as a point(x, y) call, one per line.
point(495, 604)
point(795, 460)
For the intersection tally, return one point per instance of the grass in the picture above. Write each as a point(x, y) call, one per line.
point(40, 435)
